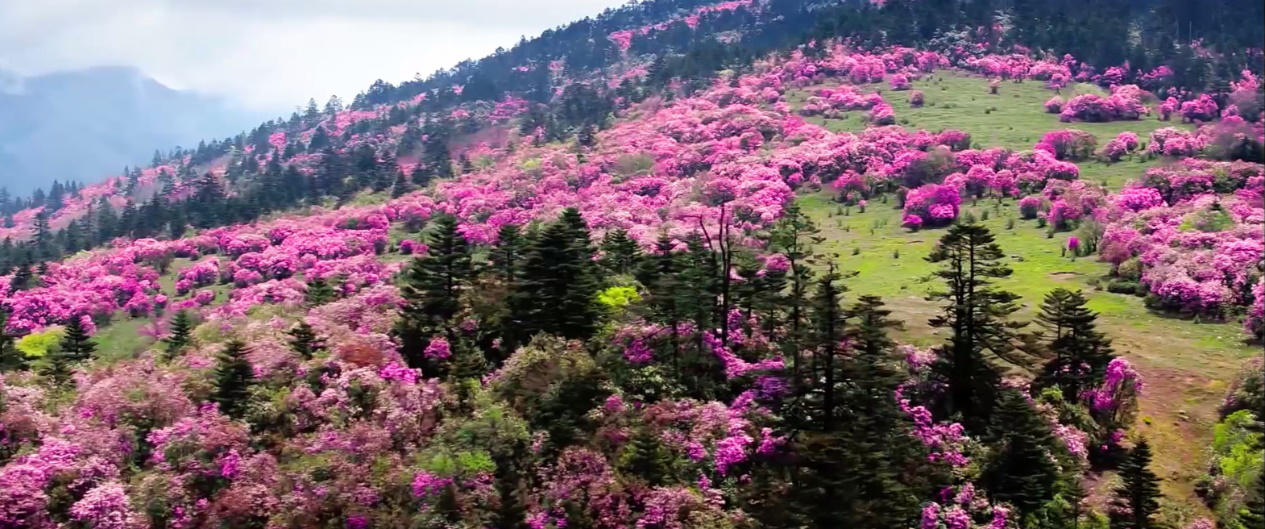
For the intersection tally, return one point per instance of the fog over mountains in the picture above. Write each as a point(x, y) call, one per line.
point(85, 124)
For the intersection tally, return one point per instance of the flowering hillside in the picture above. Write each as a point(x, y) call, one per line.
point(611, 307)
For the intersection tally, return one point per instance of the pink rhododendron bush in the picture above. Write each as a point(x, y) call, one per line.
point(620, 326)
point(1195, 251)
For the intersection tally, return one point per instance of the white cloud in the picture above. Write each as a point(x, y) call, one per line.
point(272, 54)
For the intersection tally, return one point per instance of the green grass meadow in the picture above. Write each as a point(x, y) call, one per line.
point(1186, 364)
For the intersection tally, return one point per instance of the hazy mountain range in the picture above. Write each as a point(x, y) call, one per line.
point(87, 124)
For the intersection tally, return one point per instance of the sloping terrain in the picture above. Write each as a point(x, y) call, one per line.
point(645, 305)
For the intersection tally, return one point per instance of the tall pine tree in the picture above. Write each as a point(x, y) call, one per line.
point(976, 312)
point(432, 287)
point(1136, 501)
point(558, 293)
point(1021, 471)
point(234, 377)
point(75, 344)
point(179, 335)
point(1081, 353)
point(303, 340)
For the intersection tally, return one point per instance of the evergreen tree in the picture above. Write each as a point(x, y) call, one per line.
point(646, 458)
point(233, 378)
point(179, 335)
point(1081, 353)
point(794, 236)
point(318, 292)
point(432, 289)
point(1253, 513)
point(22, 279)
point(10, 357)
point(401, 186)
point(1136, 501)
point(558, 293)
point(75, 344)
point(976, 312)
point(619, 252)
point(303, 340)
point(1021, 472)
point(828, 331)
point(866, 469)
point(659, 272)
point(57, 366)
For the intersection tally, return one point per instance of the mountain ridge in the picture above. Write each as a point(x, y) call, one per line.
point(109, 116)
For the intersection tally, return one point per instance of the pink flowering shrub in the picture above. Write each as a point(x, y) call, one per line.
point(1202, 108)
point(936, 205)
point(1068, 144)
point(1118, 147)
point(900, 82)
point(1054, 105)
point(917, 99)
point(1171, 141)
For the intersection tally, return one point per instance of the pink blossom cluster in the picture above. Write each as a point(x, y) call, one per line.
point(934, 204)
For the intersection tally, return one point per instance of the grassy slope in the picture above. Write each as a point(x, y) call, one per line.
point(1186, 364)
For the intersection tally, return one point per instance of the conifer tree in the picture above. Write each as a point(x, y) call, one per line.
point(865, 469)
point(57, 366)
point(303, 340)
point(1021, 472)
point(1136, 501)
point(646, 457)
point(402, 186)
point(233, 378)
point(507, 255)
point(976, 313)
point(506, 258)
point(828, 332)
point(1081, 353)
point(794, 236)
point(22, 278)
point(75, 344)
point(659, 272)
point(319, 292)
point(619, 252)
point(558, 293)
point(180, 334)
point(1253, 513)
point(432, 288)
point(10, 357)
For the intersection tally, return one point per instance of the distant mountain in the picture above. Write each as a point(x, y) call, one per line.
point(81, 124)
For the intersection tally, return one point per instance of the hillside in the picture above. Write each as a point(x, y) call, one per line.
point(107, 117)
point(653, 281)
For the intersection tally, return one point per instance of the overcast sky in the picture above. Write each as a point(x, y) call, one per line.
point(271, 54)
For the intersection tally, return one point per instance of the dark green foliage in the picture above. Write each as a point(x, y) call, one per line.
point(401, 186)
point(1021, 471)
point(976, 313)
point(318, 292)
point(558, 291)
point(794, 236)
point(647, 458)
point(659, 272)
point(57, 366)
point(431, 287)
point(619, 252)
point(178, 336)
point(1136, 502)
point(827, 333)
point(860, 466)
point(303, 340)
point(233, 378)
point(1081, 353)
point(10, 357)
point(75, 344)
point(1253, 513)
